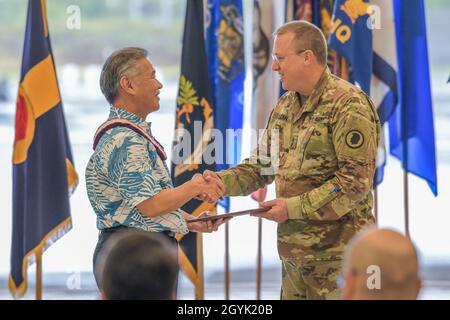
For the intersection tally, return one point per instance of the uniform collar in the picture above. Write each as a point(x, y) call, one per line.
point(119, 113)
point(314, 97)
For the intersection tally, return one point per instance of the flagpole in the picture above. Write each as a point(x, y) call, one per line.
point(259, 258)
point(261, 197)
point(344, 71)
point(406, 202)
point(200, 287)
point(39, 275)
point(227, 263)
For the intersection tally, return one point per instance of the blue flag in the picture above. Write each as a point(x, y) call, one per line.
point(43, 172)
point(384, 88)
point(351, 37)
point(225, 50)
point(211, 18)
point(411, 129)
point(194, 114)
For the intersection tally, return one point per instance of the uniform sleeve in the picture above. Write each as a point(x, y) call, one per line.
point(355, 137)
point(132, 167)
point(256, 171)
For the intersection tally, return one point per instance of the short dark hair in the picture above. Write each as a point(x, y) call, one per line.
point(306, 36)
point(121, 62)
point(140, 265)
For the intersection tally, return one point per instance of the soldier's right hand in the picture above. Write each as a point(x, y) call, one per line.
point(211, 175)
point(208, 189)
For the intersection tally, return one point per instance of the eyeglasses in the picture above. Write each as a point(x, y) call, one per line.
point(279, 59)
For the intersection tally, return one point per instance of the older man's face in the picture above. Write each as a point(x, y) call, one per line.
point(147, 87)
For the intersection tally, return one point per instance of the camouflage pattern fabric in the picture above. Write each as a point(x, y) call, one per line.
point(324, 168)
point(313, 280)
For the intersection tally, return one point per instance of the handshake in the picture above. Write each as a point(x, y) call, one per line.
point(209, 186)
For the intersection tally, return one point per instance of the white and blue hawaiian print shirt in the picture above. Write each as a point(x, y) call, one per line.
point(125, 170)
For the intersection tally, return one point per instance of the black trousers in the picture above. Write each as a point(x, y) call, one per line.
point(103, 239)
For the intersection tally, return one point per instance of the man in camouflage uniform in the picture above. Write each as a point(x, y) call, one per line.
point(328, 136)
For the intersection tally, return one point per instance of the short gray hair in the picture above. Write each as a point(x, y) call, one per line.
point(306, 36)
point(121, 62)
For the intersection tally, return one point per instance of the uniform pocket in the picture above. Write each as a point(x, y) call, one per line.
point(282, 144)
point(294, 157)
point(302, 143)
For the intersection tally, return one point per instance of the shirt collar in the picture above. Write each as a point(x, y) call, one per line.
point(119, 113)
point(313, 99)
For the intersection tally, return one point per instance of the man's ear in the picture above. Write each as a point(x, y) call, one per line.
point(126, 85)
point(348, 291)
point(309, 56)
point(103, 295)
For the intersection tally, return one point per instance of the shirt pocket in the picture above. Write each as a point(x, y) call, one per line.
point(294, 158)
point(302, 143)
point(282, 140)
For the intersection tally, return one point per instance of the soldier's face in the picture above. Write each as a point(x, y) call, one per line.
point(287, 62)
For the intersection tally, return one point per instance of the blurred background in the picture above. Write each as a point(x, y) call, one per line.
point(157, 25)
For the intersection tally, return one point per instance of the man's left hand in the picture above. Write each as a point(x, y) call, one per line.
point(278, 210)
point(205, 226)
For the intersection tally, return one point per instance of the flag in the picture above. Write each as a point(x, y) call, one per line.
point(351, 36)
point(266, 85)
point(303, 10)
point(193, 129)
point(211, 21)
point(322, 18)
point(411, 129)
point(384, 88)
point(225, 51)
point(318, 12)
point(300, 10)
point(266, 18)
point(43, 171)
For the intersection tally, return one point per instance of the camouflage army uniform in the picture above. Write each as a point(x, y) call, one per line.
point(325, 172)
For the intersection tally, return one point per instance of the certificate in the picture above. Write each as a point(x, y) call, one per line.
point(230, 214)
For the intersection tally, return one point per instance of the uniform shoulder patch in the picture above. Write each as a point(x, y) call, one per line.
point(354, 139)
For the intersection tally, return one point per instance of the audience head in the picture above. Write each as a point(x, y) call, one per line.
point(381, 264)
point(139, 265)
